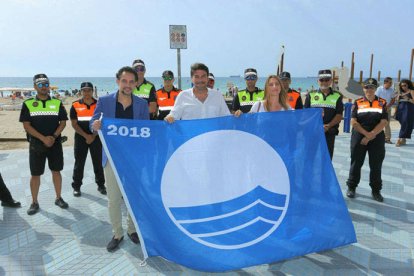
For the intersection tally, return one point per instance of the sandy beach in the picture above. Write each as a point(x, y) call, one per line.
point(13, 136)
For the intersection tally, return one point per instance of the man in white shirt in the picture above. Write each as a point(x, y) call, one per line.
point(386, 91)
point(199, 102)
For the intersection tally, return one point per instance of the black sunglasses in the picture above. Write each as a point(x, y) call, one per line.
point(324, 80)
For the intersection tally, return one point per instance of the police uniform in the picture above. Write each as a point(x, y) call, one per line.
point(245, 99)
point(44, 116)
point(294, 98)
point(146, 91)
point(368, 115)
point(165, 101)
point(332, 105)
point(82, 113)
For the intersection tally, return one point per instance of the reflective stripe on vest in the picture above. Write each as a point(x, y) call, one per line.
point(82, 111)
point(165, 108)
point(143, 91)
point(36, 107)
point(244, 97)
point(317, 99)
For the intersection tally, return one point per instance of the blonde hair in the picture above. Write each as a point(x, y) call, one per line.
point(282, 95)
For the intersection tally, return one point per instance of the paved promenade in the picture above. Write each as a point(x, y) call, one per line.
point(73, 241)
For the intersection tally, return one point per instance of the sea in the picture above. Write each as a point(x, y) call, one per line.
point(106, 85)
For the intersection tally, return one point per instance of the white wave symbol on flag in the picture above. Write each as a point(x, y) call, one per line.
point(236, 223)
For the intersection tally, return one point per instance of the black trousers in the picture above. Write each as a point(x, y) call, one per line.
point(330, 142)
point(376, 154)
point(4, 192)
point(81, 151)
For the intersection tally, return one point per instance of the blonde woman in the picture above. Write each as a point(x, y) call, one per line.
point(275, 97)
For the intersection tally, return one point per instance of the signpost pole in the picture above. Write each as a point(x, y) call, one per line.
point(179, 67)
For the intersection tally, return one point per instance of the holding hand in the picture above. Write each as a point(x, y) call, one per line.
point(238, 113)
point(96, 125)
point(90, 138)
point(48, 141)
point(365, 141)
point(371, 135)
point(169, 119)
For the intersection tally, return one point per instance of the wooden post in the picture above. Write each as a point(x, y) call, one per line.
point(370, 67)
point(379, 76)
point(411, 64)
point(352, 66)
point(360, 76)
point(281, 62)
point(399, 76)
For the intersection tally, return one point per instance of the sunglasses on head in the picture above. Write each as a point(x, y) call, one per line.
point(40, 85)
point(251, 78)
point(167, 78)
point(140, 69)
point(324, 80)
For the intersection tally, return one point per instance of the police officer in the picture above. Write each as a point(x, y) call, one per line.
point(44, 119)
point(294, 98)
point(369, 117)
point(6, 197)
point(166, 96)
point(331, 103)
point(80, 114)
point(247, 97)
point(145, 89)
point(211, 81)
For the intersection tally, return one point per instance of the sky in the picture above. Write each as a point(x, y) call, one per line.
point(94, 38)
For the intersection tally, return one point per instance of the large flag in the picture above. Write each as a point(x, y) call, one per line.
point(227, 193)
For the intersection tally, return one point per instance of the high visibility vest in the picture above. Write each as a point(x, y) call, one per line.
point(244, 97)
point(376, 106)
point(83, 112)
point(293, 97)
point(144, 90)
point(166, 100)
point(369, 114)
point(317, 99)
point(36, 108)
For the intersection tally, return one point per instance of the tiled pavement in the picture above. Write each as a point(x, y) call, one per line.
point(73, 241)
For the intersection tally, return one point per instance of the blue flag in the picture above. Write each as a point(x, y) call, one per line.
point(226, 193)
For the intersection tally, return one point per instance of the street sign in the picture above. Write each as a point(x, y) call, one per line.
point(178, 37)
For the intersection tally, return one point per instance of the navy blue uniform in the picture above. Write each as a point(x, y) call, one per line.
point(368, 115)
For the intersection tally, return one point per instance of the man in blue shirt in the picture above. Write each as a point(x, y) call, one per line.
point(386, 91)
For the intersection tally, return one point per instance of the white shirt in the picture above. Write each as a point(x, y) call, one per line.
point(188, 107)
point(260, 107)
point(386, 94)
